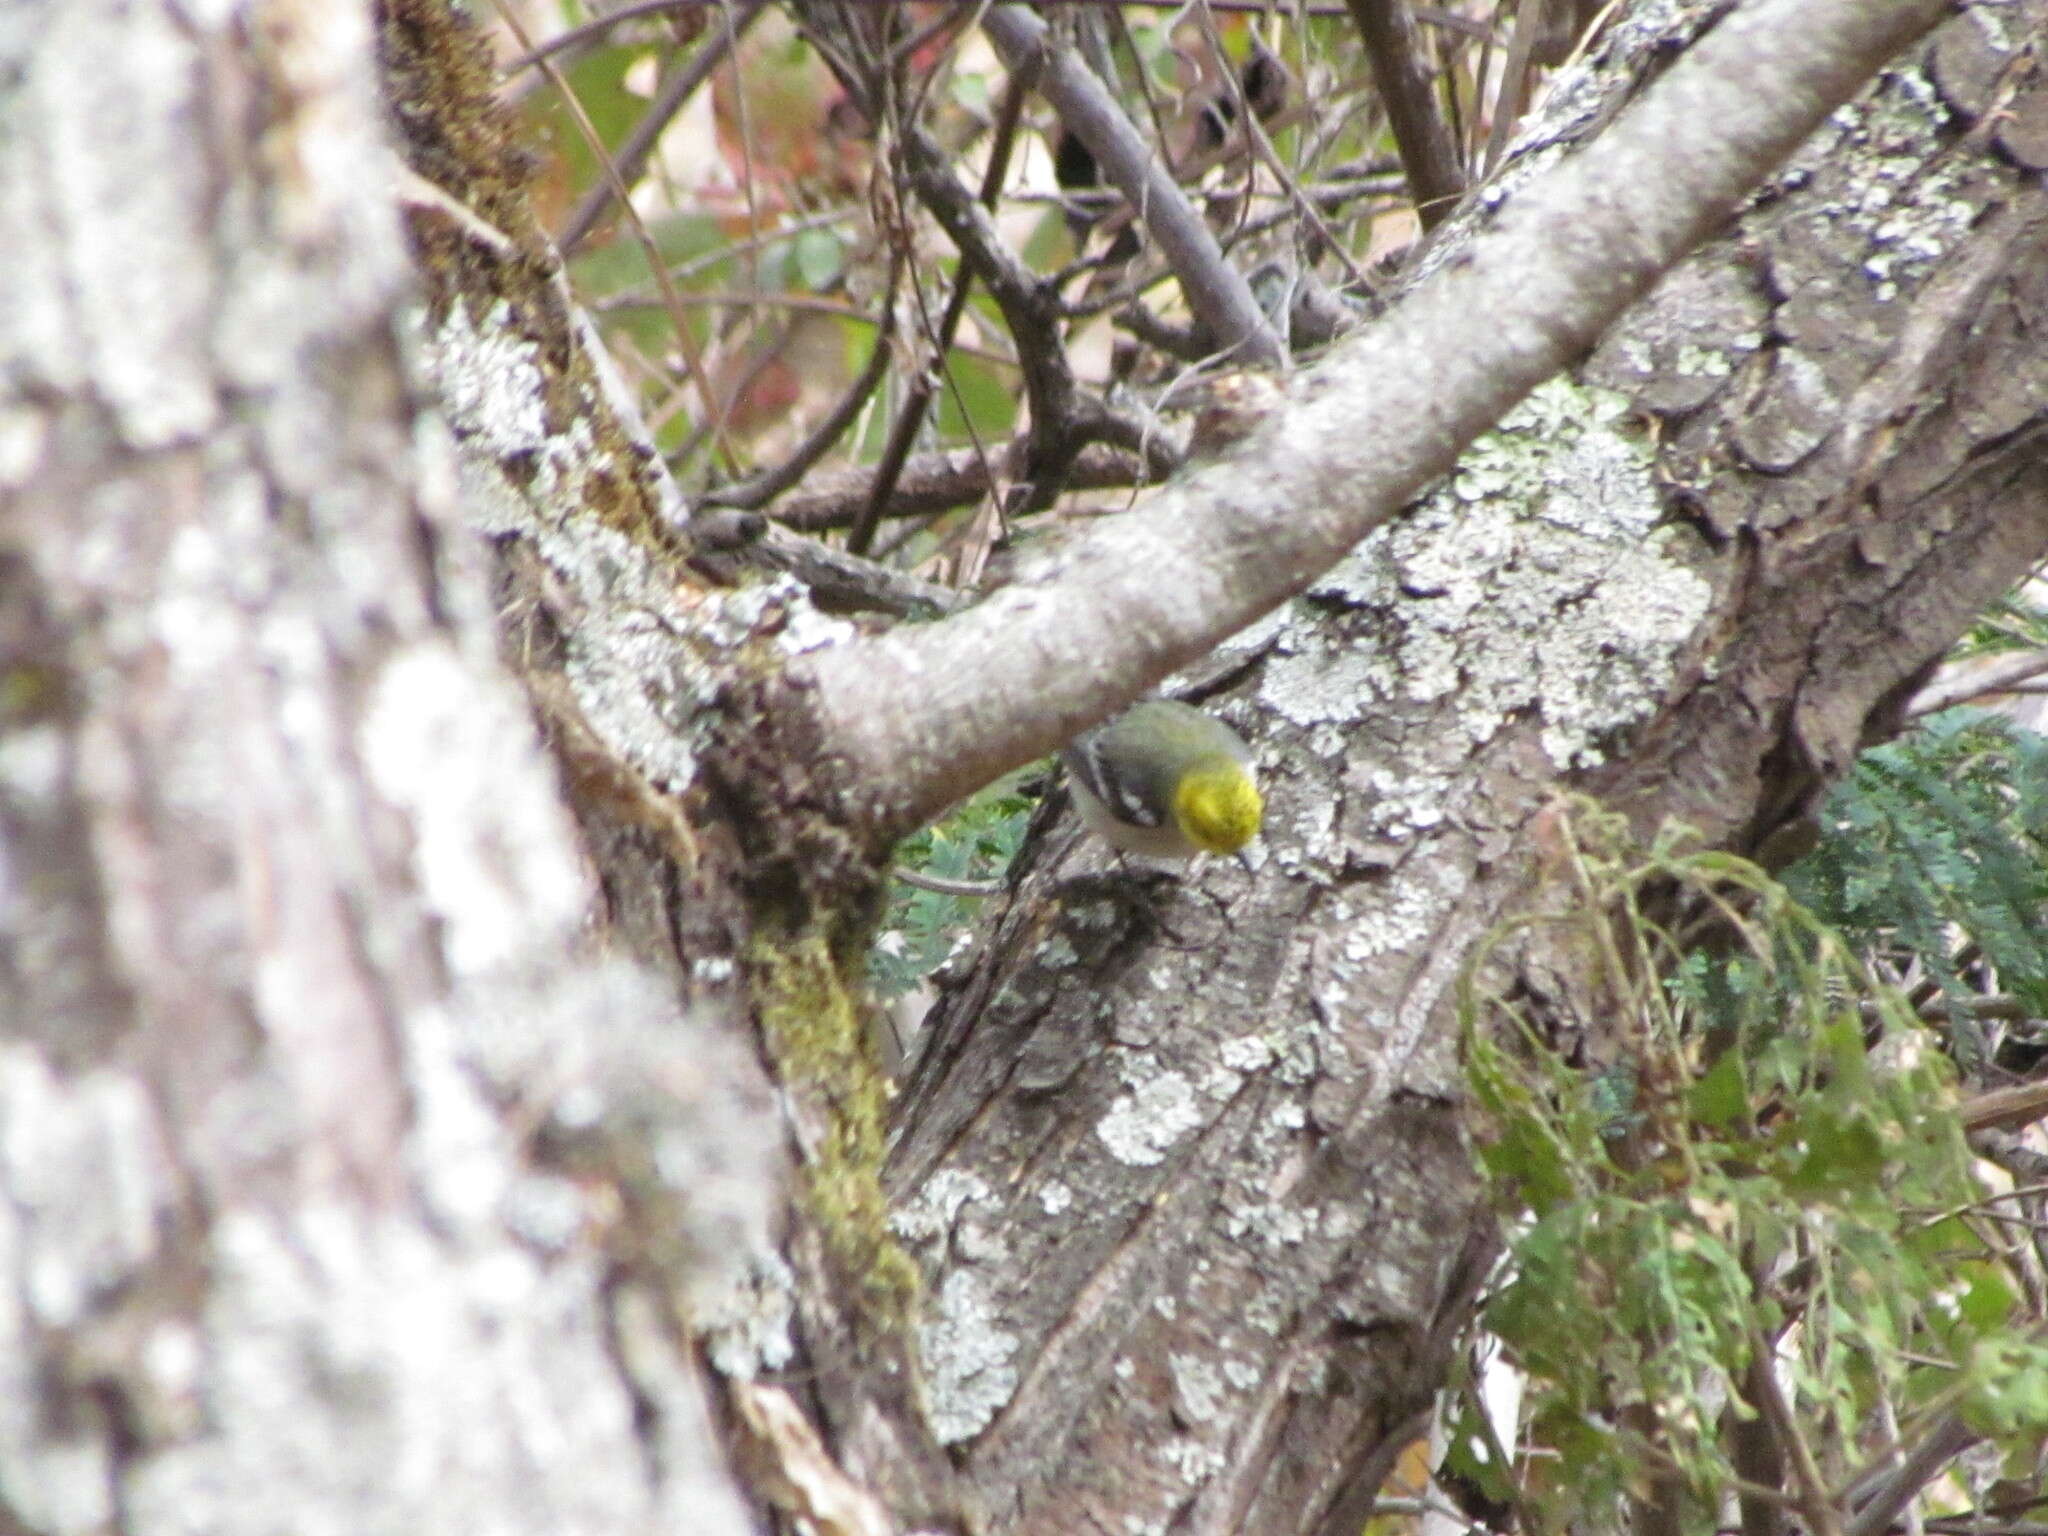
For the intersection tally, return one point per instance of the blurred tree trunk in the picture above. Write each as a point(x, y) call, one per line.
point(343, 1171)
point(293, 971)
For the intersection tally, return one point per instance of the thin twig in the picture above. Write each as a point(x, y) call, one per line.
point(944, 885)
point(1283, 174)
point(910, 420)
point(1814, 1503)
point(810, 303)
point(1029, 306)
point(938, 482)
point(674, 94)
point(1960, 682)
point(763, 488)
point(1428, 153)
point(1215, 290)
point(846, 583)
point(591, 30)
point(1131, 288)
point(685, 341)
point(733, 29)
point(1153, 109)
point(1513, 94)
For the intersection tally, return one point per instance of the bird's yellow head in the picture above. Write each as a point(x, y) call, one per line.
point(1217, 805)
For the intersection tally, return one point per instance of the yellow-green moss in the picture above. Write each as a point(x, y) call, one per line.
point(457, 135)
point(30, 692)
point(813, 1020)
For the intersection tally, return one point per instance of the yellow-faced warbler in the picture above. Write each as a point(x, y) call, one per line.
point(1166, 781)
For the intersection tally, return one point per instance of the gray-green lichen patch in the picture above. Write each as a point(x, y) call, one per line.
point(644, 668)
point(1197, 1388)
point(1402, 916)
point(1269, 1223)
point(748, 1319)
point(965, 1351)
point(591, 1055)
point(391, 1357)
point(1192, 1461)
point(488, 379)
point(125, 307)
point(1903, 202)
point(436, 745)
point(1531, 581)
point(929, 1216)
point(644, 664)
point(1143, 1124)
point(969, 1359)
point(89, 1186)
point(1245, 1053)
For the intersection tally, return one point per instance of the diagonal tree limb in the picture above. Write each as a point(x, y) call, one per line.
point(1428, 153)
point(1385, 413)
point(910, 420)
point(1216, 291)
point(759, 490)
point(683, 83)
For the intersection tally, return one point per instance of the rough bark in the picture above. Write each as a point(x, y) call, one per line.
point(327, 1143)
point(1195, 1217)
point(418, 1200)
point(1189, 1180)
point(1353, 439)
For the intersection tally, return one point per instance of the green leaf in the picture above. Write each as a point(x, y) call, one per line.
point(1987, 1301)
point(986, 394)
point(1839, 1155)
point(971, 91)
point(1721, 1097)
point(818, 255)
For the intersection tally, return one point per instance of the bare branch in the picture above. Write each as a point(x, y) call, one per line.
point(1758, 1458)
point(675, 93)
point(938, 482)
point(1893, 1491)
point(765, 487)
point(1428, 154)
point(844, 583)
point(2005, 1109)
point(929, 715)
point(1030, 308)
point(1820, 1511)
point(685, 340)
point(1063, 420)
point(1216, 291)
point(910, 420)
point(1531, 23)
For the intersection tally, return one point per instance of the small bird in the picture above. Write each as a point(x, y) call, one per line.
point(1165, 781)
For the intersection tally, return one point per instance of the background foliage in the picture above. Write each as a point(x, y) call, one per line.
point(1781, 1210)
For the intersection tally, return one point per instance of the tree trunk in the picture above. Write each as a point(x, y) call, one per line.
point(342, 1167)
point(1189, 1181)
point(316, 1108)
